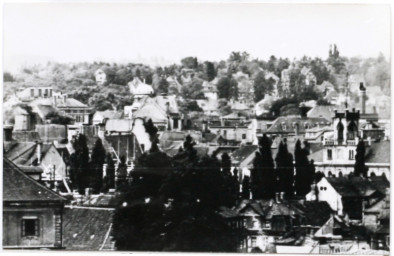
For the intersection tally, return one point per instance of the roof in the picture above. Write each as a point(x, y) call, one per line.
point(18, 186)
point(316, 213)
point(86, 228)
point(243, 152)
point(285, 124)
point(151, 110)
point(353, 186)
point(25, 136)
point(380, 182)
point(379, 152)
point(44, 110)
point(322, 111)
point(119, 125)
point(25, 153)
point(137, 87)
point(239, 106)
point(172, 136)
point(168, 100)
point(109, 114)
point(70, 103)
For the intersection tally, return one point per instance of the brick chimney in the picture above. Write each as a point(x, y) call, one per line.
point(363, 98)
point(7, 132)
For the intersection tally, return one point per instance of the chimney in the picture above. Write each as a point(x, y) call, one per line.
point(64, 98)
point(277, 197)
point(363, 97)
point(282, 196)
point(39, 150)
point(7, 132)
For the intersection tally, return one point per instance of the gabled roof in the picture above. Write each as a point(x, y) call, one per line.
point(25, 136)
point(322, 111)
point(19, 187)
point(86, 228)
point(25, 153)
point(151, 110)
point(243, 152)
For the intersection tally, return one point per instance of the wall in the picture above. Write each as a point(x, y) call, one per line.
point(12, 220)
point(141, 135)
point(52, 157)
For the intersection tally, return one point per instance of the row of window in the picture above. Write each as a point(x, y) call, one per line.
point(47, 92)
point(329, 154)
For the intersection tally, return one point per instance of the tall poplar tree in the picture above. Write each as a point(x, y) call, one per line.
point(360, 169)
point(285, 170)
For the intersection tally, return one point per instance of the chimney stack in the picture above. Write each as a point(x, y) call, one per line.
point(7, 132)
point(39, 150)
point(363, 97)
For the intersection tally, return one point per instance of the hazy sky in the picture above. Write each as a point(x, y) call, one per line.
point(123, 31)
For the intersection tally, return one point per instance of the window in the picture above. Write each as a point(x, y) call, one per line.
point(39, 92)
point(143, 147)
point(253, 238)
point(32, 92)
point(329, 154)
point(225, 132)
point(244, 136)
point(175, 123)
point(351, 154)
point(30, 226)
point(267, 225)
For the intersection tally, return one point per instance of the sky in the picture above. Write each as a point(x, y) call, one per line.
point(126, 32)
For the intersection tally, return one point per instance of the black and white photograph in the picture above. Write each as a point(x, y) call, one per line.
point(202, 126)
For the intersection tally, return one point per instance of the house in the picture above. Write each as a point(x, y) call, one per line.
point(232, 127)
point(310, 78)
point(346, 195)
point(339, 148)
point(316, 134)
point(77, 110)
point(263, 106)
point(272, 222)
point(100, 117)
point(30, 93)
point(209, 89)
point(139, 88)
point(32, 213)
point(242, 159)
point(39, 154)
point(123, 145)
point(326, 111)
point(104, 75)
point(88, 228)
point(209, 106)
point(325, 87)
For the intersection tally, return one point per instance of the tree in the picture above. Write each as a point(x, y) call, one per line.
point(304, 171)
point(176, 211)
point(96, 165)
point(190, 62)
point(360, 169)
point(109, 179)
point(80, 172)
point(163, 86)
point(8, 77)
point(210, 71)
point(262, 86)
point(285, 170)
point(193, 90)
point(227, 88)
point(263, 181)
point(246, 188)
point(56, 118)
